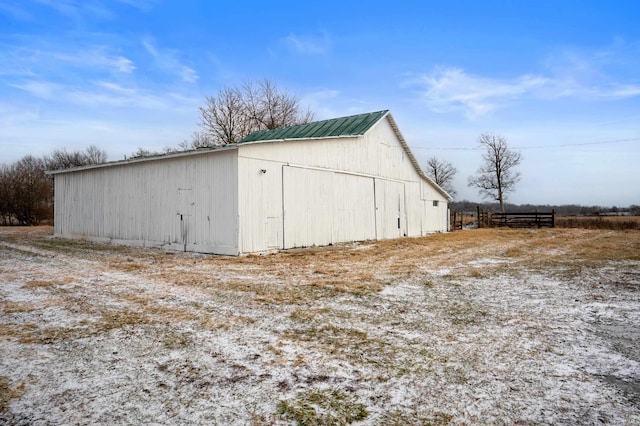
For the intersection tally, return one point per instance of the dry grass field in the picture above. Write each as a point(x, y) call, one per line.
point(489, 326)
point(599, 222)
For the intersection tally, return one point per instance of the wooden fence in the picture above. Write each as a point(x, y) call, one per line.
point(483, 218)
point(523, 220)
point(455, 221)
point(486, 219)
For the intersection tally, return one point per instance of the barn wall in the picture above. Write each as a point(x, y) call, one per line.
point(260, 204)
point(403, 199)
point(182, 203)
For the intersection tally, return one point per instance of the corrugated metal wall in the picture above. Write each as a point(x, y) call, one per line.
point(256, 197)
point(324, 207)
point(333, 190)
point(185, 203)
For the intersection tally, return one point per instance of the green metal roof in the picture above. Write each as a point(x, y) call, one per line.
point(353, 125)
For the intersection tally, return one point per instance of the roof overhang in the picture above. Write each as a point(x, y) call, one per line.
point(412, 158)
point(135, 160)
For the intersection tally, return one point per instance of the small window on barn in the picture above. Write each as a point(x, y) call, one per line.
point(435, 203)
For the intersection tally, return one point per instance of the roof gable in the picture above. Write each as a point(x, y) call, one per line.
point(354, 125)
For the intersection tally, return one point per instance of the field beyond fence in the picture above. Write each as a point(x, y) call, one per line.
point(599, 222)
point(460, 220)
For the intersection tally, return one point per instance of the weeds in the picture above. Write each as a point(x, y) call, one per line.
point(322, 407)
point(9, 392)
point(415, 418)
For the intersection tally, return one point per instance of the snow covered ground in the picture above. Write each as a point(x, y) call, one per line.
point(472, 327)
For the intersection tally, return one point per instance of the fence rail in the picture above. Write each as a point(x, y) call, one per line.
point(524, 220)
point(455, 220)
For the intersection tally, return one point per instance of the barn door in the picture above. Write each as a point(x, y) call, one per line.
point(308, 207)
point(391, 219)
point(323, 207)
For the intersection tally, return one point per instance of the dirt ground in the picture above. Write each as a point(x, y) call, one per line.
point(490, 326)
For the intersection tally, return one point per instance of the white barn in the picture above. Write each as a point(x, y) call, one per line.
point(346, 179)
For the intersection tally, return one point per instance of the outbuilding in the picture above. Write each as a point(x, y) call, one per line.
point(345, 179)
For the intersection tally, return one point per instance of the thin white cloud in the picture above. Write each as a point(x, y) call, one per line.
point(95, 56)
point(41, 57)
point(308, 45)
point(115, 87)
point(453, 89)
point(150, 48)
point(39, 89)
point(123, 64)
point(167, 60)
point(79, 10)
point(105, 93)
point(450, 89)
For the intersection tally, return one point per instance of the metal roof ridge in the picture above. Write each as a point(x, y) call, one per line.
point(347, 125)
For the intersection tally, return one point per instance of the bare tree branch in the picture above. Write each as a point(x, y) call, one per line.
point(497, 176)
point(442, 172)
point(235, 112)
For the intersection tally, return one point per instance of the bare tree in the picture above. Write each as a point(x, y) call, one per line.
point(95, 155)
point(6, 194)
point(200, 140)
point(497, 176)
point(63, 159)
point(31, 191)
point(26, 192)
point(225, 117)
point(442, 172)
point(235, 112)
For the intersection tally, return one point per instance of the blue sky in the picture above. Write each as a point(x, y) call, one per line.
point(559, 79)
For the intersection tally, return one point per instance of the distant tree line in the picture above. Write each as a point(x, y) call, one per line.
point(26, 192)
point(564, 209)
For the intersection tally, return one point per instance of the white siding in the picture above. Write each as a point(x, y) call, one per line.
point(256, 197)
point(401, 193)
point(184, 203)
point(260, 205)
point(324, 207)
point(391, 218)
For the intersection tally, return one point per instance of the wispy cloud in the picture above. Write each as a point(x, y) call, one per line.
point(449, 89)
point(105, 93)
point(39, 89)
point(605, 73)
point(308, 45)
point(167, 60)
point(78, 10)
point(38, 57)
point(453, 89)
point(95, 56)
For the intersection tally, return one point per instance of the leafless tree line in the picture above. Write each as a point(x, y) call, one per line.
point(26, 192)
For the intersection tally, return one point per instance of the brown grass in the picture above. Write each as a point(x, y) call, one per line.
point(9, 392)
point(599, 222)
point(174, 299)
